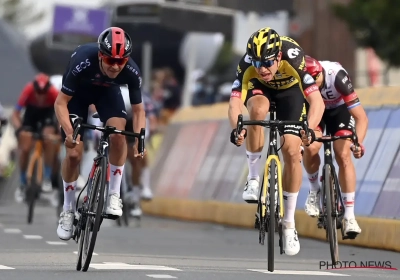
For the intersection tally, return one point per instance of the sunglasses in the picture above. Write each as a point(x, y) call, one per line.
point(266, 63)
point(111, 61)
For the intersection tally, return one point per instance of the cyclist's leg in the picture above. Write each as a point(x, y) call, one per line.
point(25, 144)
point(111, 108)
point(70, 173)
point(257, 103)
point(311, 163)
point(290, 107)
point(49, 147)
point(341, 119)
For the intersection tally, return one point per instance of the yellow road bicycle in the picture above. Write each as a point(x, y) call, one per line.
point(34, 173)
point(270, 209)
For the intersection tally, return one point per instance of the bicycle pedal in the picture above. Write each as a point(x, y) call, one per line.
point(109, 216)
point(350, 236)
point(252, 201)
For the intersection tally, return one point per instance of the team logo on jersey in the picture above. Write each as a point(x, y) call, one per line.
point(82, 65)
point(307, 79)
point(250, 85)
point(236, 84)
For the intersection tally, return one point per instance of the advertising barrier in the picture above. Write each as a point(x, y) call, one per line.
point(199, 175)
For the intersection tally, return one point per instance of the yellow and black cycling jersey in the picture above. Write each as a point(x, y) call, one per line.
point(291, 71)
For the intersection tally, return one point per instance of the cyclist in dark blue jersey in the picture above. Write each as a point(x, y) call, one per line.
point(93, 76)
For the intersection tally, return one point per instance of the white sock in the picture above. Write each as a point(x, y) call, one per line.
point(253, 161)
point(289, 203)
point(348, 200)
point(115, 179)
point(314, 182)
point(69, 195)
point(146, 177)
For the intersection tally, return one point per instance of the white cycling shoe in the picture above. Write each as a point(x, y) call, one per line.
point(312, 206)
point(250, 193)
point(291, 243)
point(114, 205)
point(65, 225)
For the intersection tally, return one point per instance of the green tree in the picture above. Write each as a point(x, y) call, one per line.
point(375, 24)
point(19, 13)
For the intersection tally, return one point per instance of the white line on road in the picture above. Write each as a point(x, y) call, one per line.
point(161, 276)
point(299, 272)
point(5, 267)
point(56, 243)
point(12, 230)
point(121, 266)
point(94, 254)
point(33, 237)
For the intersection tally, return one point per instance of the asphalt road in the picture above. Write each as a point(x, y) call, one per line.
point(163, 249)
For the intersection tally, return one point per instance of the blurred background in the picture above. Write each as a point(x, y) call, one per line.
point(188, 52)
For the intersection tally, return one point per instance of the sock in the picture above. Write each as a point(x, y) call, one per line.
point(69, 195)
point(348, 200)
point(314, 183)
point(115, 179)
point(146, 177)
point(290, 200)
point(253, 161)
point(47, 172)
point(22, 178)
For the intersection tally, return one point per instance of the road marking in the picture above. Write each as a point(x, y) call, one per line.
point(33, 237)
point(116, 265)
point(161, 276)
point(56, 243)
point(12, 230)
point(5, 267)
point(299, 272)
point(94, 254)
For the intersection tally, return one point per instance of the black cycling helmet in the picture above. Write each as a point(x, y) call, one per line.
point(264, 44)
point(115, 42)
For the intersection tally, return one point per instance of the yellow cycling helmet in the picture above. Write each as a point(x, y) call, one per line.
point(263, 44)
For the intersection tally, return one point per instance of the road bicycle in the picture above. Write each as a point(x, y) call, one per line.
point(331, 216)
point(34, 173)
point(270, 202)
point(92, 211)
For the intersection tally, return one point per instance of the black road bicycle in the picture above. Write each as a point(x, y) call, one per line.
point(331, 216)
point(270, 203)
point(92, 211)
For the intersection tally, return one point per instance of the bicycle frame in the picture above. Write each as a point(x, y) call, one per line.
point(36, 156)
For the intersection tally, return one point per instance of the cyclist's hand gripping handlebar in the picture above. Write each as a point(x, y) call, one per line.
point(236, 136)
point(308, 136)
point(357, 148)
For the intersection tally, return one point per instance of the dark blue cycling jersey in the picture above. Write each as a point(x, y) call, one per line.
point(83, 75)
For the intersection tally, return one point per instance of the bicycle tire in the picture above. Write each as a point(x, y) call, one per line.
point(80, 249)
point(272, 214)
point(330, 208)
point(97, 191)
point(32, 193)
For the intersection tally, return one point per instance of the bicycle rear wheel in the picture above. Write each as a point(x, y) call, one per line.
point(331, 213)
point(272, 214)
point(94, 213)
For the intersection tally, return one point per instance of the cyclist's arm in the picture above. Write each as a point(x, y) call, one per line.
point(135, 97)
point(239, 90)
point(62, 113)
point(344, 86)
point(22, 102)
point(310, 89)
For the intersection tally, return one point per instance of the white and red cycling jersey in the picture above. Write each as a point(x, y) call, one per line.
point(337, 88)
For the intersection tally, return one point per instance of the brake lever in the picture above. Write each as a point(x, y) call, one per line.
point(239, 127)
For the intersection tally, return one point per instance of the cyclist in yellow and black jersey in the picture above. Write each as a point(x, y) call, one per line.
point(273, 69)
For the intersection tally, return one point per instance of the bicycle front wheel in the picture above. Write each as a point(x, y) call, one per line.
point(94, 213)
point(331, 213)
point(272, 214)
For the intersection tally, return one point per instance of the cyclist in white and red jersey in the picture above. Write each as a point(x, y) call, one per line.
point(343, 110)
point(37, 98)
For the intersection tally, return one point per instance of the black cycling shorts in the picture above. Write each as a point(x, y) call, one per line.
point(336, 119)
point(289, 103)
point(109, 104)
point(35, 119)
